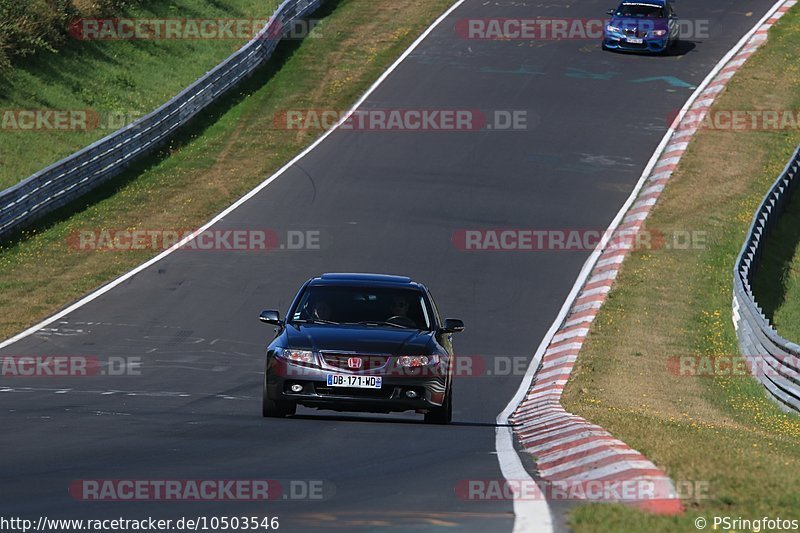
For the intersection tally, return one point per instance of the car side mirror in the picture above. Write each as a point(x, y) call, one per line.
point(610, 12)
point(271, 317)
point(453, 325)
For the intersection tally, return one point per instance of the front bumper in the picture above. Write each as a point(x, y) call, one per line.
point(393, 395)
point(615, 41)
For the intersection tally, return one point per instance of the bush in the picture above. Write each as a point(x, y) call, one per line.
point(27, 27)
point(33, 25)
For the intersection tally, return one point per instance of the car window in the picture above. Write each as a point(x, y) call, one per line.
point(641, 10)
point(394, 307)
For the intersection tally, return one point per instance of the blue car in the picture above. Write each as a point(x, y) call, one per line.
point(645, 26)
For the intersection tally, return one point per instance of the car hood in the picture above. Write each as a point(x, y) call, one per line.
point(639, 24)
point(370, 340)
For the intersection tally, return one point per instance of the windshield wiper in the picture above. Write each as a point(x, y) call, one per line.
point(379, 323)
point(314, 321)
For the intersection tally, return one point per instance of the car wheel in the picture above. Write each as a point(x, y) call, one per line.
point(275, 409)
point(443, 414)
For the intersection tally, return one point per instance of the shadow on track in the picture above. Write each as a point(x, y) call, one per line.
point(370, 418)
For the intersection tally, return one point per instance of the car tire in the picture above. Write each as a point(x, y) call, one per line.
point(444, 414)
point(668, 50)
point(273, 408)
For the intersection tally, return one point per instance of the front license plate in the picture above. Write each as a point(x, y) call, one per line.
point(355, 382)
point(634, 40)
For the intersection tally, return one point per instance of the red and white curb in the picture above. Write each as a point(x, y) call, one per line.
point(569, 450)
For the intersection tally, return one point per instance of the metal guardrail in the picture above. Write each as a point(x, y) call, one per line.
point(74, 176)
point(774, 360)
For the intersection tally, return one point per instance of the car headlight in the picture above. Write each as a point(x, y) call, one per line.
point(612, 28)
point(296, 356)
point(411, 361)
point(659, 33)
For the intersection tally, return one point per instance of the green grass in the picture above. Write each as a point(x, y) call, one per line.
point(777, 283)
point(213, 161)
point(117, 80)
point(723, 432)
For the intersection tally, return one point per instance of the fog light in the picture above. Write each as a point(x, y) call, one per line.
point(411, 394)
point(297, 388)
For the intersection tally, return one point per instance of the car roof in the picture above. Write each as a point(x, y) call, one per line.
point(343, 278)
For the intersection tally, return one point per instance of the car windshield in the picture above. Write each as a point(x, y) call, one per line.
point(650, 11)
point(369, 306)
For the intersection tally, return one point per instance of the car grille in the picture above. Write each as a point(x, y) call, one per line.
point(633, 46)
point(368, 362)
point(324, 390)
point(635, 33)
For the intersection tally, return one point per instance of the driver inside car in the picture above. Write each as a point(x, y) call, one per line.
point(319, 310)
point(399, 307)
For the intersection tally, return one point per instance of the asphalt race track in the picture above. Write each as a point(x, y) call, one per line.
point(383, 201)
